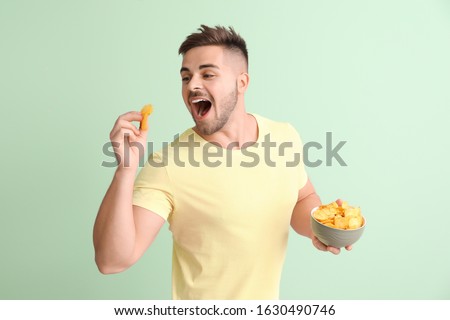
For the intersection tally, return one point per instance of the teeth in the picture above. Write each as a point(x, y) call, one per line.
point(198, 100)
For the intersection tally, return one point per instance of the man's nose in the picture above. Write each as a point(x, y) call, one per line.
point(195, 83)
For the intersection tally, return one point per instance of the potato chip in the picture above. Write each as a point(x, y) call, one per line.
point(353, 212)
point(327, 221)
point(322, 215)
point(145, 111)
point(355, 223)
point(340, 217)
point(330, 225)
point(340, 222)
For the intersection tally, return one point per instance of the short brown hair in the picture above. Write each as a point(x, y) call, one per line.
point(218, 36)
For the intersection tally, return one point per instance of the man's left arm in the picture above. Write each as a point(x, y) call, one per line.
point(306, 201)
point(300, 219)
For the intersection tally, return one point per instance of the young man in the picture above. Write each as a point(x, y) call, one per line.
point(229, 187)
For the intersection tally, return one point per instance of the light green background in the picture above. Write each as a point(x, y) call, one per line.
point(375, 73)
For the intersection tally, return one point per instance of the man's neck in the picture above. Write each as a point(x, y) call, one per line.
point(241, 130)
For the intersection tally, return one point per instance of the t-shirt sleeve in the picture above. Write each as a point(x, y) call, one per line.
point(298, 149)
point(152, 188)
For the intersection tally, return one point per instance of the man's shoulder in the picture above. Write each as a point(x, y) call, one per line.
point(283, 128)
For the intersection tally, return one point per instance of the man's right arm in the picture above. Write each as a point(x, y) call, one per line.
point(122, 232)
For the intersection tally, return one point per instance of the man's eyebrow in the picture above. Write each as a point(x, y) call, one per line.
point(209, 65)
point(203, 66)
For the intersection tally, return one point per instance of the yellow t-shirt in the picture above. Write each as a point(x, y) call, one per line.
point(229, 210)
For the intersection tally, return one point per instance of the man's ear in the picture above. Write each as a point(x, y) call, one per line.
point(242, 82)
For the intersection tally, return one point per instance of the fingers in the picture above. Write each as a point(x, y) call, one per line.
point(127, 134)
point(318, 244)
point(322, 247)
point(131, 116)
point(124, 126)
point(334, 250)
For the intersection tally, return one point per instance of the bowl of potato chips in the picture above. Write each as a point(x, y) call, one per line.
point(337, 226)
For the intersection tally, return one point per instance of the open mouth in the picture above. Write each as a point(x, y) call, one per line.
point(201, 107)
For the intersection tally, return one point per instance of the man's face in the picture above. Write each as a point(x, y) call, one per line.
point(209, 89)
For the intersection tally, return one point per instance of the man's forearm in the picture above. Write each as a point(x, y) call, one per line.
point(114, 229)
point(300, 220)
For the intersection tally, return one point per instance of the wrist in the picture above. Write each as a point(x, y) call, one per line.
point(125, 173)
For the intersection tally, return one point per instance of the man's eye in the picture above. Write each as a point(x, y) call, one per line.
point(185, 79)
point(207, 76)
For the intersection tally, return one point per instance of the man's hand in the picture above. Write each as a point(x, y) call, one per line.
point(129, 142)
point(323, 247)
